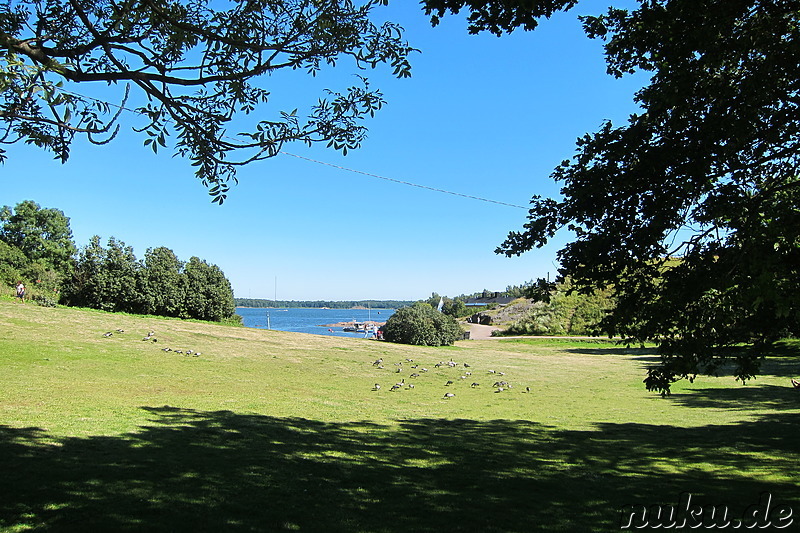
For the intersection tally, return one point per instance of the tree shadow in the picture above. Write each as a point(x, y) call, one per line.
point(649, 353)
point(744, 397)
point(191, 470)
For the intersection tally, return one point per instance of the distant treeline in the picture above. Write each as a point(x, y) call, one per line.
point(318, 304)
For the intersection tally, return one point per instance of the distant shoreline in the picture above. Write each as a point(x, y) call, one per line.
point(331, 308)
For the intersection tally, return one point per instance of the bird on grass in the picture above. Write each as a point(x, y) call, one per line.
point(527, 389)
point(449, 382)
point(449, 395)
point(107, 334)
point(377, 386)
point(475, 385)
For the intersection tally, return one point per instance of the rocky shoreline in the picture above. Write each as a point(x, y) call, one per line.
point(352, 324)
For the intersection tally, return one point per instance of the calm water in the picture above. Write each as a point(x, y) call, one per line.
point(310, 320)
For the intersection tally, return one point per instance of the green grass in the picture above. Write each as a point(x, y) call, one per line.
point(272, 431)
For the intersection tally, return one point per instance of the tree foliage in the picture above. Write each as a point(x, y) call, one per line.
point(188, 68)
point(36, 247)
point(421, 325)
point(689, 210)
point(113, 279)
point(43, 235)
point(209, 295)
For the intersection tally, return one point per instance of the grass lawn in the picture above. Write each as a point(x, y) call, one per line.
point(274, 431)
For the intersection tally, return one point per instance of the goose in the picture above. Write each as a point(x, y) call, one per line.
point(378, 362)
point(449, 382)
point(410, 385)
point(377, 386)
point(449, 395)
point(466, 365)
point(475, 385)
point(107, 334)
point(394, 387)
point(414, 375)
point(120, 330)
point(527, 389)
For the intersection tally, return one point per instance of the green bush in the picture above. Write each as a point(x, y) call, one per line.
point(44, 300)
point(422, 325)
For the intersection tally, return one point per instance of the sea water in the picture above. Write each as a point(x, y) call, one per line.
point(307, 320)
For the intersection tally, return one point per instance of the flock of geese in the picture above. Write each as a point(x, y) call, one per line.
point(464, 369)
point(151, 337)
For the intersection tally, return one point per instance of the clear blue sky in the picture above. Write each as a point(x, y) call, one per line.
point(482, 116)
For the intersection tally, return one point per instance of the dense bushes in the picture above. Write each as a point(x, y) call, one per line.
point(422, 325)
point(564, 313)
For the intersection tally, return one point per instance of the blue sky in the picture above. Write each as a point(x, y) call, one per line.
point(481, 116)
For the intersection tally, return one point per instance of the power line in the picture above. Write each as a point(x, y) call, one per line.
point(339, 167)
point(401, 182)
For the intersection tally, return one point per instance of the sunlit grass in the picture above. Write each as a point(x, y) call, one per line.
point(268, 430)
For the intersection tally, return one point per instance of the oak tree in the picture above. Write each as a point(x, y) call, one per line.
point(689, 210)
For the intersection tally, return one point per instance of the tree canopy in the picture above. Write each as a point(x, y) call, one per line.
point(188, 68)
point(689, 211)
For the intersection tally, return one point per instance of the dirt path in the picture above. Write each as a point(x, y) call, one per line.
point(479, 331)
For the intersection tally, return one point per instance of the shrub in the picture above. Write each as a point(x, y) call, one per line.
point(422, 325)
point(44, 300)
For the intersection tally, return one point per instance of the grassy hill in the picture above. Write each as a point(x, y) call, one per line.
point(272, 431)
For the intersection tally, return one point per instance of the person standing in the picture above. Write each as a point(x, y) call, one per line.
point(21, 291)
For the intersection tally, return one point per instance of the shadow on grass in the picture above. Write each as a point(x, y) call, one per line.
point(743, 397)
point(220, 471)
point(618, 350)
